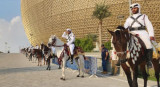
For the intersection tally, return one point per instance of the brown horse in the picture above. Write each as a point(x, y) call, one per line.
point(38, 54)
point(123, 42)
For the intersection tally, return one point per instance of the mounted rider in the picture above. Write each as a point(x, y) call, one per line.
point(70, 41)
point(36, 47)
point(136, 25)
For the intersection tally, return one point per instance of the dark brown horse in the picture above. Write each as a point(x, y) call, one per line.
point(123, 42)
point(44, 49)
point(38, 54)
point(47, 55)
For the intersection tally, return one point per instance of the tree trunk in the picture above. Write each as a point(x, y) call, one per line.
point(100, 33)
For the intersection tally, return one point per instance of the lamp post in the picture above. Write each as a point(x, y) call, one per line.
point(31, 37)
point(6, 47)
point(120, 17)
point(130, 12)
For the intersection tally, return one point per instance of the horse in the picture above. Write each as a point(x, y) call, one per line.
point(23, 51)
point(48, 55)
point(44, 48)
point(123, 44)
point(63, 55)
point(38, 54)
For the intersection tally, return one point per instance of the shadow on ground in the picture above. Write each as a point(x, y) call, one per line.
point(25, 69)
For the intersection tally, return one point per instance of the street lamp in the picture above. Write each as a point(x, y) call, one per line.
point(120, 17)
point(6, 47)
point(130, 12)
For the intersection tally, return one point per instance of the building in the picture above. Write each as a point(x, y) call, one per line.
point(42, 18)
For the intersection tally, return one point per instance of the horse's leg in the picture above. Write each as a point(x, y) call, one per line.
point(157, 70)
point(49, 61)
point(41, 61)
point(78, 66)
point(38, 61)
point(128, 74)
point(63, 67)
point(135, 75)
point(44, 60)
point(144, 73)
point(47, 64)
point(81, 58)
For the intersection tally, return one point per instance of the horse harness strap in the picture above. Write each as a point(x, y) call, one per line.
point(136, 28)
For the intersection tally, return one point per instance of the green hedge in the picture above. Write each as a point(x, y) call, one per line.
point(108, 45)
point(86, 43)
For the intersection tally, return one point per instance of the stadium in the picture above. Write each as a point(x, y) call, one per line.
point(42, 18)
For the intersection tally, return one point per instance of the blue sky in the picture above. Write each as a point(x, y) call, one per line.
point(9, 9)
point(11, 27)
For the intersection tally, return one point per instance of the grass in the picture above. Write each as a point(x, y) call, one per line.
point(151, 73)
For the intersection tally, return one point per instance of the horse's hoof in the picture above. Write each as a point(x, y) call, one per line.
point(62, 79)
point(82, 76)
point(77, 75)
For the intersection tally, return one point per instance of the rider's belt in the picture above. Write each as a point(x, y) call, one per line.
point(72, 43)
point(137, 28)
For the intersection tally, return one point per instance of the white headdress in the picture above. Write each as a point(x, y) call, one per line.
point(68, 29)
point(135, 5)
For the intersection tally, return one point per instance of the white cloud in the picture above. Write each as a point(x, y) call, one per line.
point(13, 33)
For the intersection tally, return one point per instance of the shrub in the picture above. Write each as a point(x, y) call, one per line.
point(86, 43)
point(108, 45)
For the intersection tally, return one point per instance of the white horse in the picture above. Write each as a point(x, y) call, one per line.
point(60, 52)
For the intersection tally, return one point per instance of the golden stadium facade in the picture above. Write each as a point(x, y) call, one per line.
point(42, 18)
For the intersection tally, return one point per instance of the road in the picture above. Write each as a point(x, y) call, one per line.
point(17, 71)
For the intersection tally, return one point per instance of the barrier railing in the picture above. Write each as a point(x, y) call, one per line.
point(90, 64)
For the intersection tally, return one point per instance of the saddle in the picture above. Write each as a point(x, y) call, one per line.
point(77, 51)
point(135, 46)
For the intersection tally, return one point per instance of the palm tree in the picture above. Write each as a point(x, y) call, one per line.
point(101, 12)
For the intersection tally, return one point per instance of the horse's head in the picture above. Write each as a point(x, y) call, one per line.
point(120, 38)
point(52, 40)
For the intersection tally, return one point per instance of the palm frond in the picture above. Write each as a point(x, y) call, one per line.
point(101, 11)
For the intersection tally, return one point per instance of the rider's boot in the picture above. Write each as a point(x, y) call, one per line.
point(149, 57)
point(72, 59)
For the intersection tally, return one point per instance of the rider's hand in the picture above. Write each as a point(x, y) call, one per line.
point(152, 38)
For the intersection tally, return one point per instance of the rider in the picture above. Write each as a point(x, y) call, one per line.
point(36, 47)
point(71, 39)
point(136, 25)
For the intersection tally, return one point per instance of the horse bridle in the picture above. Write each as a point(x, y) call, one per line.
point(122, 52)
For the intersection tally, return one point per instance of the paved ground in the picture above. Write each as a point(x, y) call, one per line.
point(17, 71)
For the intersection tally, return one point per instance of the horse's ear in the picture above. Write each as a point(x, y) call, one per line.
point(111, 32)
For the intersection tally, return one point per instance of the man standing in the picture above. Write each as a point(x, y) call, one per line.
point(104, 54)
point(136, 25)
point(70, 41)
point(113, 60)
